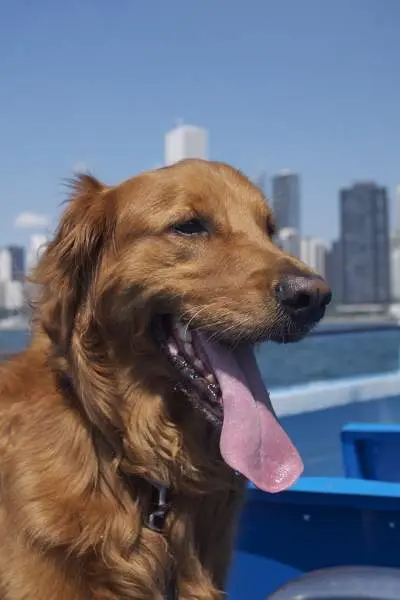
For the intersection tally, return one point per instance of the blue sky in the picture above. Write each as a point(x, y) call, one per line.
point(311, 85)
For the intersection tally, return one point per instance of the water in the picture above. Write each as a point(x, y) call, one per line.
point(12, 341)
point(321, 357)
point(318, 357)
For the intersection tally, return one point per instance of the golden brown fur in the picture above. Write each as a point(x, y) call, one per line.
point(89, 410)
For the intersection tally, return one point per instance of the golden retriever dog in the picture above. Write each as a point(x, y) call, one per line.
point(132, 422)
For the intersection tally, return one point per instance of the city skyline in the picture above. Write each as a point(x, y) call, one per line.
point(282, 190)
point(361, 262)
point(274, 91)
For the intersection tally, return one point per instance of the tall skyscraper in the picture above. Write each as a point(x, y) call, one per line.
point(185, 141)
point(286, 200)
point(365, 244)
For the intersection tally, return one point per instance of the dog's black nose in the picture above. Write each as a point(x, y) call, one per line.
point(303, 296)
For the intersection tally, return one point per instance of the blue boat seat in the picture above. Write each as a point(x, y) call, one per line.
point(343, 583)
point(371, 451)
point(318, 524)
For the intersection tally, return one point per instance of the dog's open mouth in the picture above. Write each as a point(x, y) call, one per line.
point(197, 379)
point(226, 385)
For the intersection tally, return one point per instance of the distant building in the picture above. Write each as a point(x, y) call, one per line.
point(365, 244)
point(286, 200)
point(12, 276)
point(395, 238)
point(395, 273)
point(288, 239)
point(12, 263)
point(185, 141)
point(334, 271)
point(17, 262)
point(397, 194)
point(5, 265)
point(37, 246)
point(11, 295)
point(313, 253)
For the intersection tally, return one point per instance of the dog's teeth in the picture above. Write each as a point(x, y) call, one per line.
point(173, 348)
point(210, 378)
point(189, 350)
point(198, 365)
point(180, 330)
point(183, 332)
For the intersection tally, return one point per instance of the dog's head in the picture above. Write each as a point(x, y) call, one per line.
point(149, 271)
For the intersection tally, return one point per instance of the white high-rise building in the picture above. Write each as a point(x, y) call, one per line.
point(5, 265)
point(313, 253)
point(288, 239)
point(398, 210)
point(185, 141)
point(11, 295)
point(395, 233)
point(11, 278)
point(37, 246)
point(395, 273)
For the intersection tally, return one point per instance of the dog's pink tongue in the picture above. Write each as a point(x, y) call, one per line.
point(252, 440)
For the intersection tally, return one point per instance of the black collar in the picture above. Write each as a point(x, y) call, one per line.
point(155, 520)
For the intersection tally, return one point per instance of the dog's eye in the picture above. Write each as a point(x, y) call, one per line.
point(191, 227)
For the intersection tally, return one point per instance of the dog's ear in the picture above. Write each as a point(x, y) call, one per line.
point(68, 266)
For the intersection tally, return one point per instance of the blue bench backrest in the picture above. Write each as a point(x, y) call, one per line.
point(320, 522)
point(371, 451)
